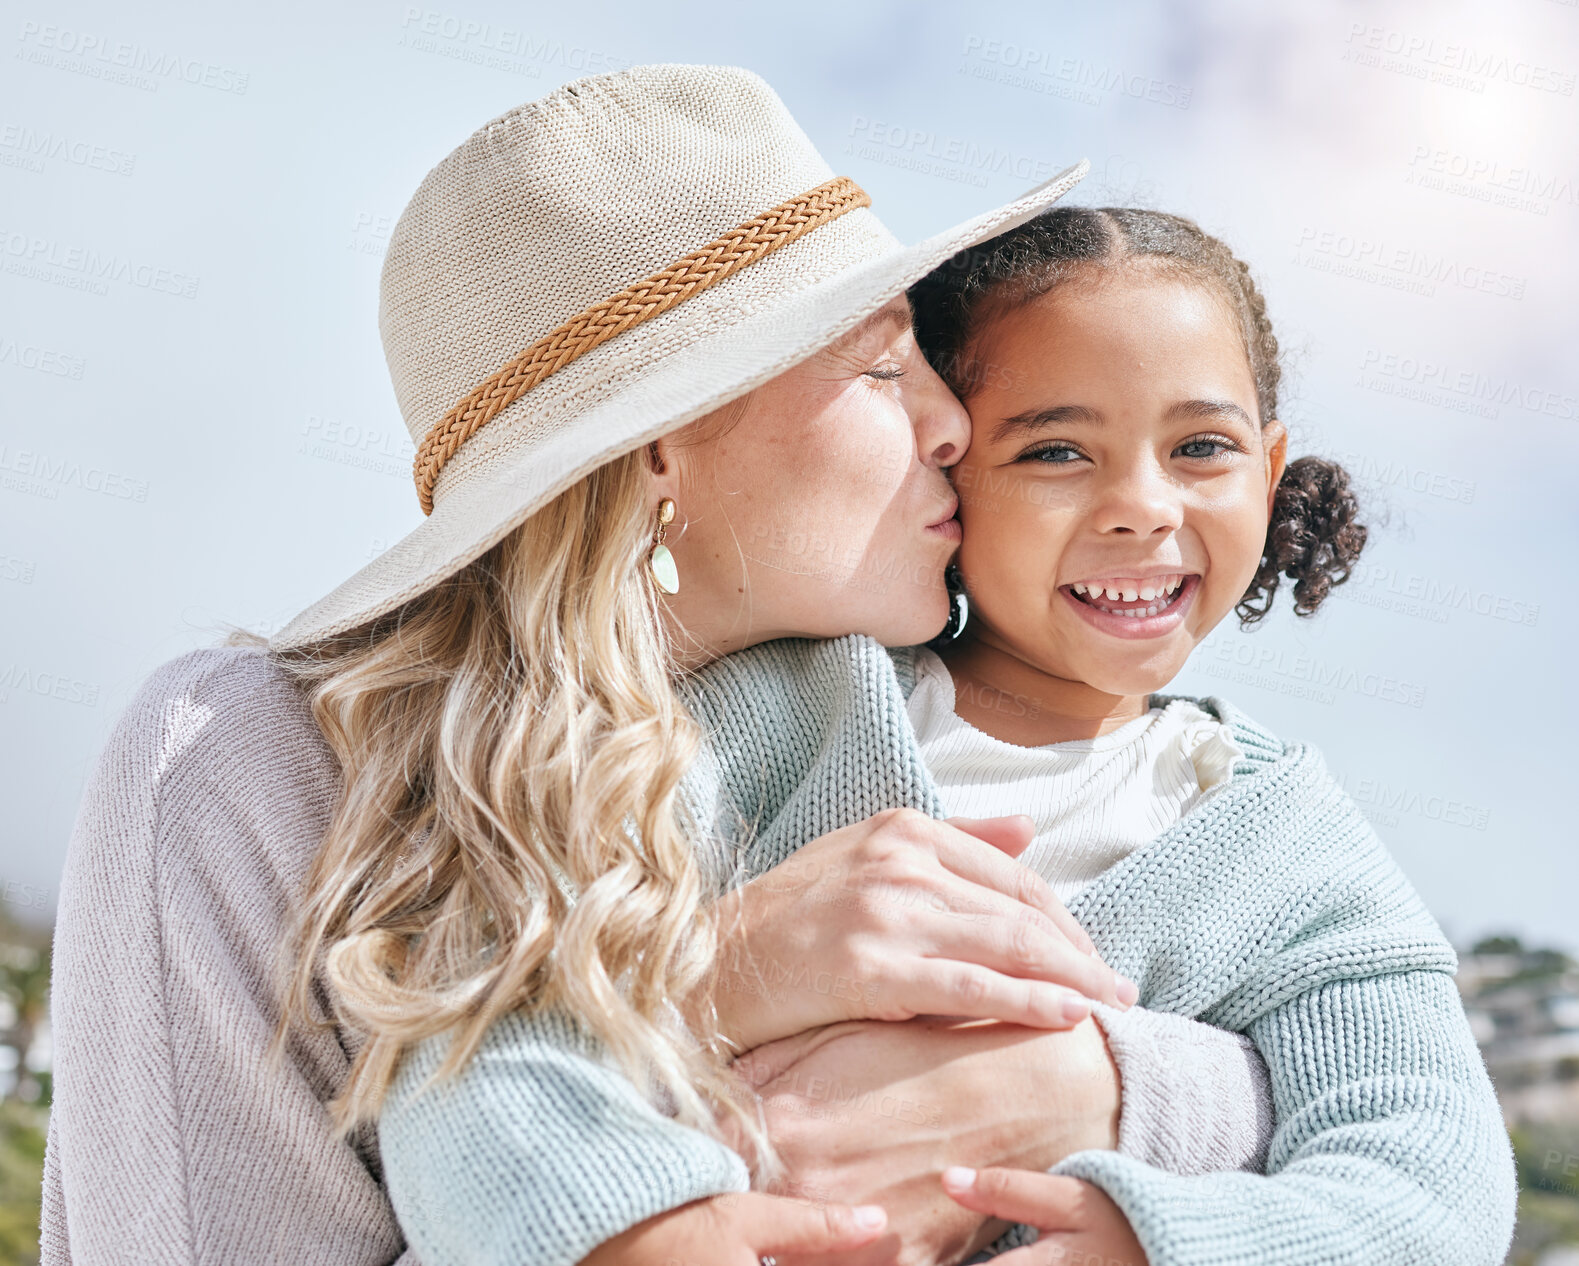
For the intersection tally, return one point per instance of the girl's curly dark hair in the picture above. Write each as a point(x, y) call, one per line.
point(1314, 537)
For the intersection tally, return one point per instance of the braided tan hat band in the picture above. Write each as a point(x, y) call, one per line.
point(636, 303)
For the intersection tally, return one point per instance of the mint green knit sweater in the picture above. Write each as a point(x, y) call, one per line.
point(1271, 909)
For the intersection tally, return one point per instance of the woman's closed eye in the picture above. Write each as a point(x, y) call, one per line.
point(886, 372)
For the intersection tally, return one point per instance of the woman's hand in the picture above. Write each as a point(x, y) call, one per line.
point(739, 1229)
point(1077, 1220)
point(904, 915)
point(873, 1112)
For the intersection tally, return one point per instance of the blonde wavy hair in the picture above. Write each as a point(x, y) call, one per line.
point(510, 832)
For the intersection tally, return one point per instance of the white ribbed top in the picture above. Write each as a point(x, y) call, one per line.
point(1094, 801)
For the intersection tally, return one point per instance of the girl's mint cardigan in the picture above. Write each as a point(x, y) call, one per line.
point(1271, 909)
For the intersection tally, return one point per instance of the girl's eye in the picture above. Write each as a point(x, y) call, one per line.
point(1217, 445)
point(1201, 448)
point(884, 373)
point(1051, 454)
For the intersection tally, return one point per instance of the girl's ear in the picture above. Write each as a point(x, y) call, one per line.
point(1274, 443)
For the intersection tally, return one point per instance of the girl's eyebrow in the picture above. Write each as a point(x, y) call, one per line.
point(1063, 414)
point(1037, 419)
point(1206, 409)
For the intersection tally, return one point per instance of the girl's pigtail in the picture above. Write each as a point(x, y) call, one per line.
point(1314, 538)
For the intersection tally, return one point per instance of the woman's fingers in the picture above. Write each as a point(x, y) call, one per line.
point(767, 1063)
point(784, 1225)
point(1010, 835)
point(904, 915)
point(1007, 938)
point(984, 908)
point(946, 987)
point(739, 1229)
point(1045, 1201)
point(999, 870)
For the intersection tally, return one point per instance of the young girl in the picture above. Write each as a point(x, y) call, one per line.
point(1125, 489)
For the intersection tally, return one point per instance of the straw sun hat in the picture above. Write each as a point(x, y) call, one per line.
point(597, 268)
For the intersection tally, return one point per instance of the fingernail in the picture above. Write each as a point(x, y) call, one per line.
point(1076, 1008)
point(959, 1177)
point(871, 1217)
point(1128, 991)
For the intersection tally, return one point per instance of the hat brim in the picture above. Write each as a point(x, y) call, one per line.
point(683, 387)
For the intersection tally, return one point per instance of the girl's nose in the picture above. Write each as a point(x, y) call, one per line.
point(1141, 501)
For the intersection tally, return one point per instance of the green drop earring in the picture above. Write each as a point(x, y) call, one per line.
point(661, 562)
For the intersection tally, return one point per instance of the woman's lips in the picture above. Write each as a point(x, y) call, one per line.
point(1132, 626)
point(947, 526)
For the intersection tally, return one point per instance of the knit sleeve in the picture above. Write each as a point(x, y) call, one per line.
point(1389, 1148)
point(173, 1137)
point(1195, 1098)
point(536, 1152)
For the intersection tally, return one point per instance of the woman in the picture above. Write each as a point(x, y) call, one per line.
point(465, 764)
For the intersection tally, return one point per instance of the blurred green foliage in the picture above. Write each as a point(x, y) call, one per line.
point(22, 1128)
point(1548, 1162)
point(24, 1106)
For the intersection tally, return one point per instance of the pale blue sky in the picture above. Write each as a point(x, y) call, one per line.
point(1403, 178)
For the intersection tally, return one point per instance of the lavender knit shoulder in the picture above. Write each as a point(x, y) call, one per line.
point(172, 1141)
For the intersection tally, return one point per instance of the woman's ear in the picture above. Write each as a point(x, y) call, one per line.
point(663, 470)
point(1274, 443)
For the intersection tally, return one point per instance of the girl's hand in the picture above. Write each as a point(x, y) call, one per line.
point(739, 1229)
point(1078, 1221)
point(904, 915)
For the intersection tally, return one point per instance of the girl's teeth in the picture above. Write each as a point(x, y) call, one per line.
point(1117, 593)
point(1162, 591)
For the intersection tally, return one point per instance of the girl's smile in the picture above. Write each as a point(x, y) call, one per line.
point(1134, 606)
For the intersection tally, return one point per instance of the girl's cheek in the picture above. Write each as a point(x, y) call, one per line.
point(995, 552)
point(988, 493)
